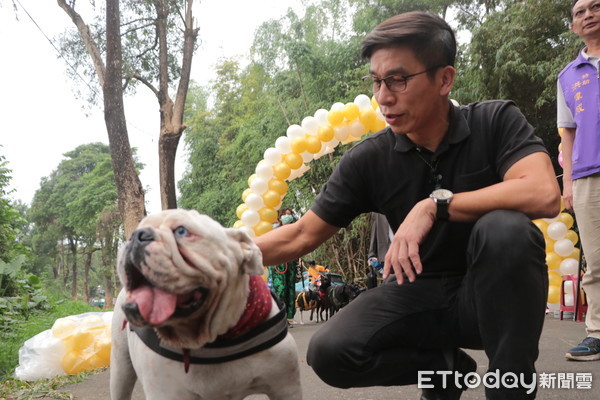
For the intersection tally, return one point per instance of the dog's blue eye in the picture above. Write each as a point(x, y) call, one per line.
point(181, 231)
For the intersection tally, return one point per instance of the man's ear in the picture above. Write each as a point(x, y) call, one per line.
point(447, 80)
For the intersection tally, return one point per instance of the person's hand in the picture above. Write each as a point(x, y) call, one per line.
point(403, 254)
point(568, 194)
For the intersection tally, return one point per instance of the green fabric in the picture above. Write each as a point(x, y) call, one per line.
point(283, 279)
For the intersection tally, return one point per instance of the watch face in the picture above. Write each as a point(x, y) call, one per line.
point(442, 194)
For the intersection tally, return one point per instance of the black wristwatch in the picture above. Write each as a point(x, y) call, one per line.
point(442, 198)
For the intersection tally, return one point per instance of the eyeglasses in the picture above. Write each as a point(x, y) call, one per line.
point(594, 9)
point(394, 83)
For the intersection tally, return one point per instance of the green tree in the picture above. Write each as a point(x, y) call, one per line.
point(12, 223)
point(70, 209)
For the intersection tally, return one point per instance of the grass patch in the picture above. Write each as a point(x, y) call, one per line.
point(15, 389)
point(24, 328)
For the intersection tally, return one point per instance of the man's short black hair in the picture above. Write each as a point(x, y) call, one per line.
point(430, 38)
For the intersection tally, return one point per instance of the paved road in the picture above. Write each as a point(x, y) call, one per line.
point(557, 337)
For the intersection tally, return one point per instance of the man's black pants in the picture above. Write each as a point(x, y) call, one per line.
point(389, 333)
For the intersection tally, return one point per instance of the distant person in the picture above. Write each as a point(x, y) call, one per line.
point(381, 237)
point(579, 116)
point(283, 276)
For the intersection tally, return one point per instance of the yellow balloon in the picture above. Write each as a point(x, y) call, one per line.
point(71, 363)
point(313, 144)
point(262, 227)
point(278, 185)
point(282, 170)
point(271, 198)
point(298, 145)
point(562, 204)
point(554, 278)
point(240, 210)
point(251, 178)
point(553, 261)
point(378, 125)
point(560, 131)
point(246, 193)
point(374, 103)
point(268, 214)
point(367, 118)
point(542, 226)
point(549, 244)
point(576, 254)
point(566, 219)
point(553, 294)
point(325, 133)
point(335, 117)
point(294, 160)
point(572, 236)
point(351, 111)
point(102, 350)
point(79, 341)
point(63, 327)
point(238, 224)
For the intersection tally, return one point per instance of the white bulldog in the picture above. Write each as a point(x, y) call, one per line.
point(193, 292)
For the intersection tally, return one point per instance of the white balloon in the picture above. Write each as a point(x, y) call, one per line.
point(295, 174)
point(249, 231)
point(569, 300)
point(379, 114)
point(363, 102)
point(563, 247)
point(554, 306)
point(568, 266)
point(310, 125)
point(557, 230)
point(264, 170)
point(295, 131)
point(250, 218)
point(337, 106)
point(357, 129)
point(306, 156)
point(283, 145)
point(320, 153)
point(568, 286)
point(321, 116)
point(272, 156)
point(341, 132)
point(259, 185)
point(454, 102)
point(254, 202)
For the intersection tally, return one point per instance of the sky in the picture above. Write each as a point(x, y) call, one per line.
point(41, 117)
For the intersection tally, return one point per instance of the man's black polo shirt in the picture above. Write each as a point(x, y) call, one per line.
point(389, 174)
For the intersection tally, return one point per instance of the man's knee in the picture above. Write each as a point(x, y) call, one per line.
point(504, 229)
point(324, 356)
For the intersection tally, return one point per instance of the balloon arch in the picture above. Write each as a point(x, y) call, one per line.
point(289, 158)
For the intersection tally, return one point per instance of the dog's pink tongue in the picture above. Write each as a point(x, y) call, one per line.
point(155, 305)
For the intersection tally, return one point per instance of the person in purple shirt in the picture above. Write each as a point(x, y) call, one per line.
point(578, 115)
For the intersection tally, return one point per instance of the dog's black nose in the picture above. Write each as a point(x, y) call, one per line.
point(143, 235)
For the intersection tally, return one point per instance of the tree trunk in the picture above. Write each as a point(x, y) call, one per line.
point(73, 248)
point(171, 113)
point(86, 275)
point(108, 297)
point(129, 188)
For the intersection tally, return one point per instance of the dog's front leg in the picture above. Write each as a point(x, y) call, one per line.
point(122, 374)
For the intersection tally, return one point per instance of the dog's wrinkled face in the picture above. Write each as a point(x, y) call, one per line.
point(186, 276)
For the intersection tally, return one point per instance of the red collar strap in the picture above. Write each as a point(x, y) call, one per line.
point(257, 309)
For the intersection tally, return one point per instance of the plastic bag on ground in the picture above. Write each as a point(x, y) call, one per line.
point(74, 344)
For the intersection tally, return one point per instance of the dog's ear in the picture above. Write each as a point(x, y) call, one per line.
point(252, 256)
